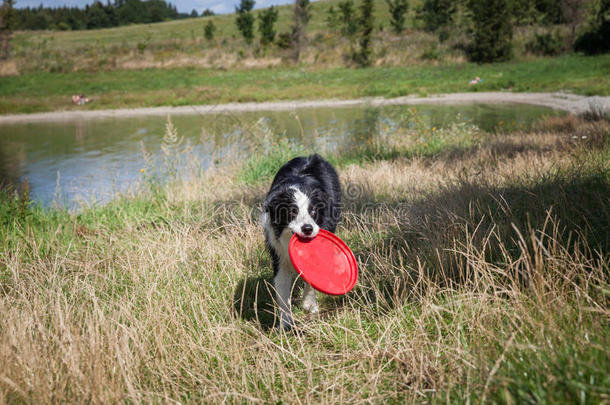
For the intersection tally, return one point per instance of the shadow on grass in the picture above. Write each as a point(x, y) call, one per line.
point(493, 223)
point(253, 301)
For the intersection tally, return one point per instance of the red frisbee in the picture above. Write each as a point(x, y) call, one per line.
point(325, 262)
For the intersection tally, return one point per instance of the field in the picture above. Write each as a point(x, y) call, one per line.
point(483, 278)
point(189, 86)
point(171, 63)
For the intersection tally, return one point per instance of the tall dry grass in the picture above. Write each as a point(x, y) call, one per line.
point(482, 278)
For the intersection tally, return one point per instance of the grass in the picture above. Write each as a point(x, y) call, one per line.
point(38, 92)
point(483, 277)
point(170, 64)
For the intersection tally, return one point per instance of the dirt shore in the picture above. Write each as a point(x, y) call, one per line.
point(567, 102)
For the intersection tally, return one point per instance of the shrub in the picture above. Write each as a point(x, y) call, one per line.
point(349, 24)
point(548, 44)
point(266, 21)
point(367, 22)
point(398, 9)
point(209, 30)
point(492, 31)
point(597, 39)
point(333, 19)
point(436, 13)
point(245, 19)
point(62, 26)
point(284, 40)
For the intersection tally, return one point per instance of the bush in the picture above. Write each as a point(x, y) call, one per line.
point(597, 39)
point(367, 22)
point(266, 21)
point(209, 30)
point(245, 19)
point(398, 9)
point(547, 44)
point(62, 26)
point(349, 24)
point(284, 40)
point(493, 31)
point(436, 13)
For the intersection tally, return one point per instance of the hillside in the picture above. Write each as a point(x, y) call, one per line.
point(171, 63)
point(181, 43)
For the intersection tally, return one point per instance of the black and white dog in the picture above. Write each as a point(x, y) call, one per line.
point(305, 196)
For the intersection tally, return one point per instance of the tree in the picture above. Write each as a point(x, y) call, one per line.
point(97, 17)
point(194, 13)
point(492, 31)
point(209, 30)
point(349, 24)
point(550, 11)
point(333, 20)
point(7, 19)
point(367, 21)
point(398, 9)
point(301, 18)
point(573, 12)
point(597, 39)
point(266, 21)
point(207, 13)
point(436, 13)
point(245, 19)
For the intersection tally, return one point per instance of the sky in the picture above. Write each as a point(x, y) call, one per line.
point(183, 6)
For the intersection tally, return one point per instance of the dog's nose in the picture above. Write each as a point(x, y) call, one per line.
point(307, 229)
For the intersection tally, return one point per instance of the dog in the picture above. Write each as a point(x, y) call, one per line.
point(305, 196)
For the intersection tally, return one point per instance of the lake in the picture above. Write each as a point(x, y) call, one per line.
point(90, 160)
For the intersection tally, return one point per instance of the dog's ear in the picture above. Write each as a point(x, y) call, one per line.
point(313, 162)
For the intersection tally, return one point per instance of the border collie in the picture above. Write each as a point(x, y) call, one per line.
point(305, 196)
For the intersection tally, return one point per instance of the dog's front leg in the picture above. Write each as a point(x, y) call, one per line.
point(283, 282)
point(309, 299)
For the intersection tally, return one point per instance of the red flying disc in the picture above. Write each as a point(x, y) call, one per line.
point(325, 262)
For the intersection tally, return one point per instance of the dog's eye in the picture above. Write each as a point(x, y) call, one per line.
point(294, 211)
point(312, 211)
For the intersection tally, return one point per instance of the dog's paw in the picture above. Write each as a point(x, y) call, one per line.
point(311, 307)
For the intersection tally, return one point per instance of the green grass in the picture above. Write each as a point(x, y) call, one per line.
point(181, 29)
point(185, 86)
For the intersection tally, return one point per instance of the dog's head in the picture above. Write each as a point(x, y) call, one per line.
point(297, 208)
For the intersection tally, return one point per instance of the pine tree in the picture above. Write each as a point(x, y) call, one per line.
point(398, 9)
point(266, 22)
point(209, 30)
point(492, 31)
point(245, 19)
point(349, 23)
point(436, 13)
point(366, 24)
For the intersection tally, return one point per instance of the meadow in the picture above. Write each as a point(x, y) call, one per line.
point(39, 92)
point(483, 278)
point(171, 63)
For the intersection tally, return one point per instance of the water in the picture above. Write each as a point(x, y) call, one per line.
point(92, 160)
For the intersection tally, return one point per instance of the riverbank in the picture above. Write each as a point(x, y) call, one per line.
point(111, 90)
point(571, 103)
